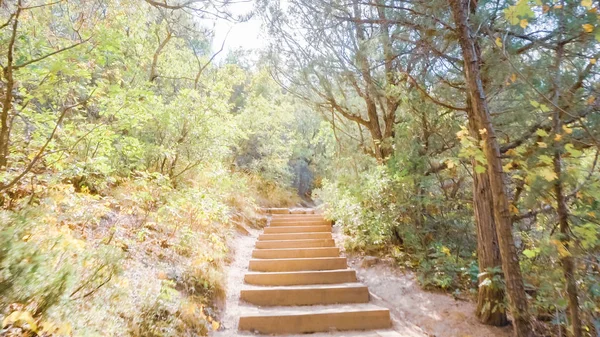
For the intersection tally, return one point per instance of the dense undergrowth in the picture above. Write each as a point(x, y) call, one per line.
point(138, 258)
point(433, 234)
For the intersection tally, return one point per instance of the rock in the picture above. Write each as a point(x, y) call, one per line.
point(369, 261)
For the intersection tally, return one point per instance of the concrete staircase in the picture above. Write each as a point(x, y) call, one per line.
point(297, 283)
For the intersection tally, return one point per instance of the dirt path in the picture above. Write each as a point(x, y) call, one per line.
point(416, 313)
point(241, 247)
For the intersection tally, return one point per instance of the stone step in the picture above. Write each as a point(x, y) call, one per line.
point(306, 295)
point(279, 265)
point(295, 244)
point(295, 253)
point(301, 277)
point(294, 236)
point(314, 319)
point(297, 229)
point(296, 223)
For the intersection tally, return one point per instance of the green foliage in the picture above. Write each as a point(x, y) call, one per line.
point(128, 156)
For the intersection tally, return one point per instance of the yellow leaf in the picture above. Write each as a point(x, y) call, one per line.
point(215, 325)
point(498, 42)
point(446, 250)
point(557, 137)
point(547, 174)
point(588, 28)
point(567, 129)
point(591, 100)
point(482, 131)
point(513, 77)
point(562, 250)
point(586, 3)
point(514, 210)
point(20, 319)
point(592, 214)
point(558, 6)
point(523, 23)
point(593, 61)
point(542, 145)
point(450, 164)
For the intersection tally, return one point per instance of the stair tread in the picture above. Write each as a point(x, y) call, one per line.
point(326, 258)
point(296, 249)
point(309, 240)
point(249, 310)
point(297, 229)
point(299, 272)
point(302, 233)
point(291, 278)
point(293, 236)
point(347, 285)
point(353, 333)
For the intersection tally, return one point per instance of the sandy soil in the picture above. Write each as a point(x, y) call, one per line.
point(242, 246)
point(415, 312)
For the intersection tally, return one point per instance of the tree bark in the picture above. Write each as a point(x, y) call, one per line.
point(161, 46)
point(481, 117)
point(566, 259)
point(381, 149)
point(490, 300)
point(8, 95)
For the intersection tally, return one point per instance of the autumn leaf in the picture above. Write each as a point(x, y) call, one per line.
point(547, 174)
point(586, 3)
point(562, 250)
point(446, 250)
point(572, 150)
point(523, 23)
point(21, 319)
point(215, 325)
point(498, 42)
point(588, 28)
point(567, 129)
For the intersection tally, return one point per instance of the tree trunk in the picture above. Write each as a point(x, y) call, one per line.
point(481, 116)
point(566, 259)
point(8, 95)
point(490, 300)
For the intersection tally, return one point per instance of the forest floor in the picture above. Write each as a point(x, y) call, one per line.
point(415, 312)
